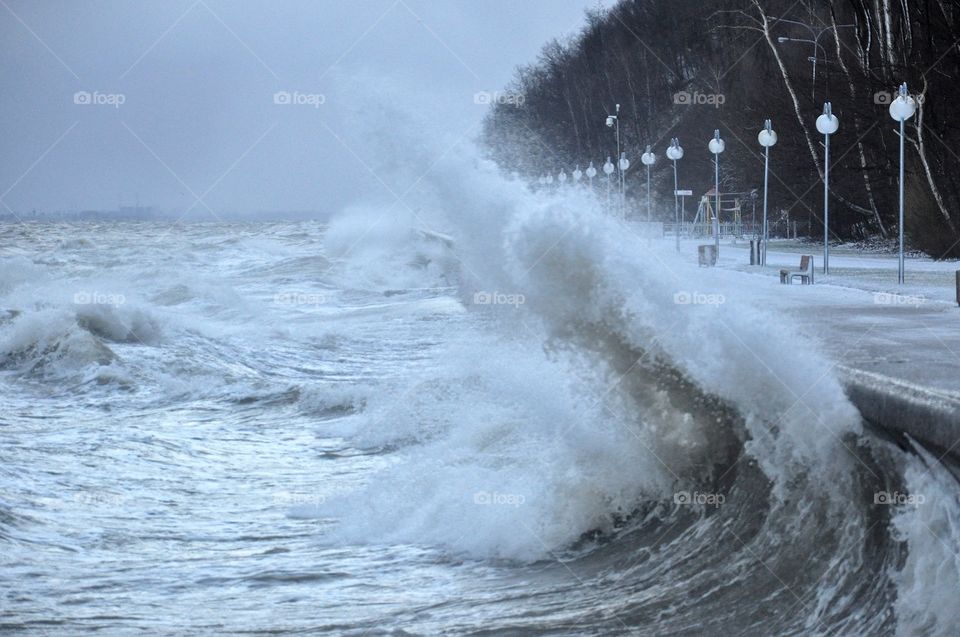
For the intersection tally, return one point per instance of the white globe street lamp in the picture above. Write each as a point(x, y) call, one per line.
point(902, 109)
point(716, 147)
point(767, 139)
point(608, 170)
point(577, 173)
point(591, 173)
point(827, 124)
point(549, 180)
point(675, 152)
point(648, 159)
point(562, 177)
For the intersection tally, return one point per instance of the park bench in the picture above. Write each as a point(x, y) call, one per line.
point(805, 272)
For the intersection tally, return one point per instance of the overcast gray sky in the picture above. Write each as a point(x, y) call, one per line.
point(173, 101)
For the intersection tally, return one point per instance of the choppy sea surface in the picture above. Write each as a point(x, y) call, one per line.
point(366, 429)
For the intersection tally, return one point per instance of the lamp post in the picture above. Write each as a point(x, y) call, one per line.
point(902, 109)
point(562, 177)
point(577, 174)
point(827, 124)
point(623, 164)
point(549, 179)
point(613, 121)
point(717, 146)
point(675, 152)
point(648, 159)
point(767, 139)
point(608, 171)
point(591, 173)
point(816, 33)
point(816, 45)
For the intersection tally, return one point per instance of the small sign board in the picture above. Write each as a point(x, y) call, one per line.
point(683, 193)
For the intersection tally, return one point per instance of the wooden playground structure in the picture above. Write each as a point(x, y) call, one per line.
point(731, 221)
point(730, 214)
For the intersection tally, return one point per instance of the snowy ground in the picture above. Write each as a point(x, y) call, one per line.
point(863, 319)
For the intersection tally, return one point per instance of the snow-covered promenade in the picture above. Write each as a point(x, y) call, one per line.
point(896, 348)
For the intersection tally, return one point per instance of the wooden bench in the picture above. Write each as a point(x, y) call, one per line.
point(805, 272)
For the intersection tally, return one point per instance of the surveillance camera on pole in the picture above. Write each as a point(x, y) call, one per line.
point(613, 121)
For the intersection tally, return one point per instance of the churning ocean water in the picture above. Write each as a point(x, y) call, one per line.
point(369, 428)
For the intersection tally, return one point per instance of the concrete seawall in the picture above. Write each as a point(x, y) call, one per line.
point(930, 416)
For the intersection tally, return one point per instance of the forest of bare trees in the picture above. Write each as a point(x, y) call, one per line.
point(683, 68)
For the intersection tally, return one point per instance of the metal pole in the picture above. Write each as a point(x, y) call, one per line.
point(766, 178)
point(903, 124)
point(676, 206)
point(609, 200)
point(619, 170)
point(826, 205)
point(648, 193)
point(716, 213)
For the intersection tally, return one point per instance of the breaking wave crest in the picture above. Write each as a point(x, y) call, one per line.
point(600, 415)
